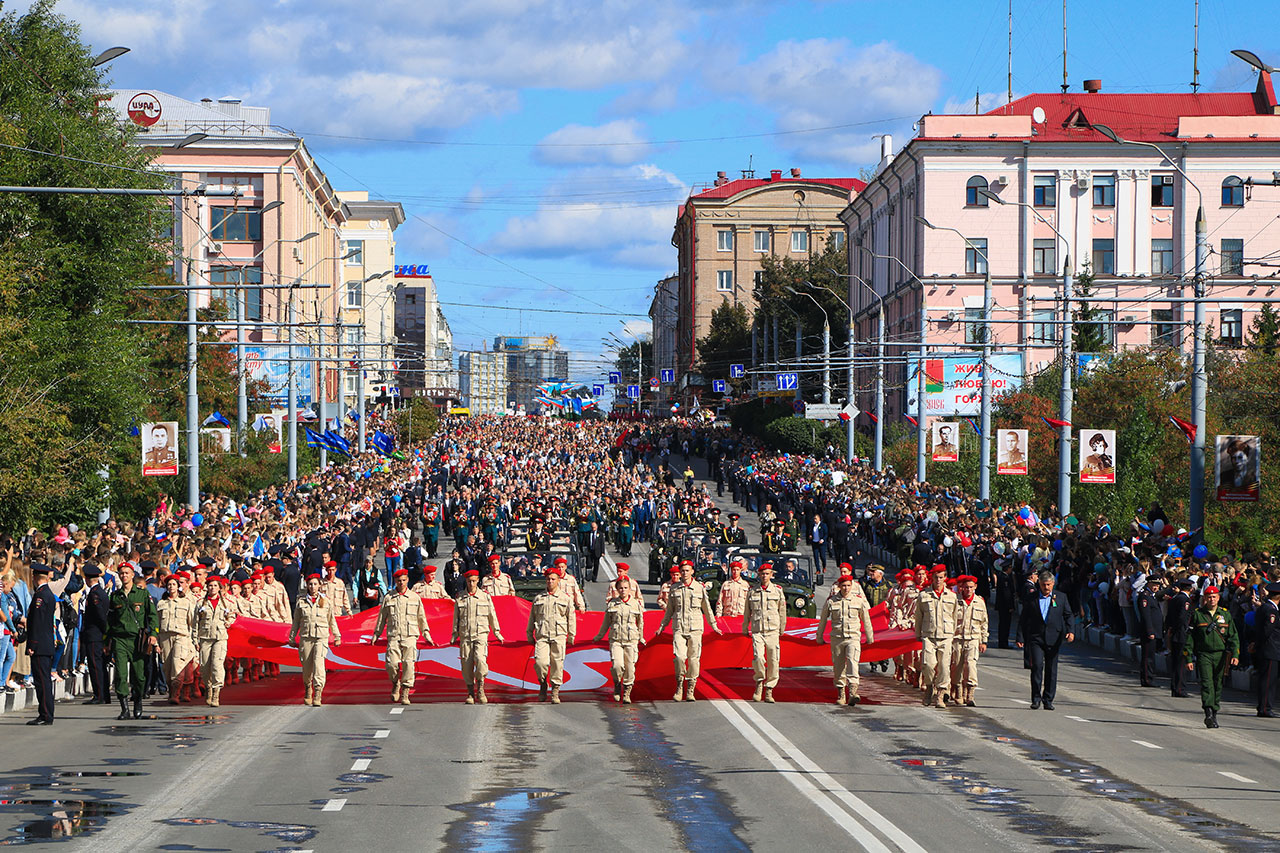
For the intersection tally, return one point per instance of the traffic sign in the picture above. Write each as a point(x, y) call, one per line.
point(393, 391)
point(787, 381)
point(798, 407)
point(653, 383)
point(850, 412)
point(736, 371)
point(614, 377)
point(822, 411)
point(597, 390)
point(668, 375)
point(633, 392)
point(719, 385)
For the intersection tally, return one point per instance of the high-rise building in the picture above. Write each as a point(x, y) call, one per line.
point(483, 380)
point(531, 361)
point(424, 341)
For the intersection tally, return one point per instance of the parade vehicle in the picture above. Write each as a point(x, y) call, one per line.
point(792, 571)
point(528, 569)
point(692, 539)
point(669, 534)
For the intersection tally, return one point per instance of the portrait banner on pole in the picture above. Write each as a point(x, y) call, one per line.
point(946, 441)
point(160, 449)
point(1097, 456)
point(1239, 467)
point(1011, 453)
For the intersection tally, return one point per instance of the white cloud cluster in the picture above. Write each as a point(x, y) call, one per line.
point(618, 142)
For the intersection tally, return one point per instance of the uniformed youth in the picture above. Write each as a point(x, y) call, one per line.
point(764, 618)
point(553, 623)
point(315, 625)
point(176, 616)
point(473, 619)
point(850, 617)
point(214, 615)
point(972, 630)
point(1211, 646)
point(731, 603)
point(687, 606)
point(498, 582)
point(401, 615)
point(624, 575)
point(624, 623)
point(935, 627)
point(429, 587)
point(333, 589)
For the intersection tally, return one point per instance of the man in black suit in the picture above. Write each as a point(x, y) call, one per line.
point(1177, 625)
point(1267, 646)
point(595, 549)
point(1045, 622)
point(41, 639)
point(93, 634)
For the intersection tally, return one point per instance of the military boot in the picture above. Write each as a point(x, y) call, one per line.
point(404, 695)
point(768, 695)
point(542, 690)
point(213, 697)
point(306, 699)
point(137, 705)
point(840, 696)
point(480, 697)
point(315, 700)
point(555, 695)
point(471, 696)
point(679, 697)
point(626, 694)
point(124, 708)
point(689, 695)
point(617, 691)
point(395, 692)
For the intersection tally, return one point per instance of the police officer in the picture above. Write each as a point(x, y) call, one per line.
point(402, 617)
point(731, 603)
point(1211, 645)
point(41, 640)
point(553, 623)
point(1266, 625)
point(473, 619)
point(131, 627)
point(1177, 626)
point(315, 625)
point(624, 623)
point(214, 616)
point(935, 627)
point(93, 634)
point(849, 616)
point(687, 606)
point(1150, 628)
point(764, 619)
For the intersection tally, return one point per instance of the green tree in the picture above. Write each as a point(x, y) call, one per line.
point(637, 360)
point(1264, 334)
point(1089, 334)
point(419, 421)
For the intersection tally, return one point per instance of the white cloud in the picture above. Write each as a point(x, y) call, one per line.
point(638, 327)
point(618, 143)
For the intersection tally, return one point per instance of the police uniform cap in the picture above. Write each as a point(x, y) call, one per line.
point(91, 570)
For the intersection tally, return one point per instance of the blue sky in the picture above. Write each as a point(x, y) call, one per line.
point(540, 149)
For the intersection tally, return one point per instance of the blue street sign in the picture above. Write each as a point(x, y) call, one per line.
point(788, 381)
point(668, 375)
point(718, 385)
point(633, 392)
point(736, 371)
point(614, 377)
point(597, 390)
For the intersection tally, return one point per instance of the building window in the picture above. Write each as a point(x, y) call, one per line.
point(227, 279)
point(1231, 325)
point(1162, 257)
point(357, 246)
point(1044, 257)
point(1165, 331)
point(1104, 256)
point(1044, 191)
point(1162, 190)
point(836, 240)
point(758, 277)
point(799, 241)
point(1044, 328)
point(974, 327)
point(724, 240)
point(762, 241)
point(1233, 192)
point(724, 280)
point(1107, 326)
point(355, 293)
point(1104, 190)
point(975, 256)
point(972, 195)
point(232, 225)
point(1233, 257)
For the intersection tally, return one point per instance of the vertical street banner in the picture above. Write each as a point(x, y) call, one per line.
point(272, 422)
point(1239, 467)
point(160, 449)
point(1098, 456)
point(215, 440)
point(1011, 451)
point(946, 441)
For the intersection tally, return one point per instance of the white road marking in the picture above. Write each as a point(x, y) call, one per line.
point(1023, 701)
point(334, 805)
point(380, 733)
point(1237, 777)
point(1077, 719)
point(1147, 744)
point(397, 710)
point(361, 764)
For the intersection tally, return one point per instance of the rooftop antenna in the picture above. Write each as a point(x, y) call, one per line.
point(749, 172)
point(976, 102)
point(1064, 47)
point(1010, 101)
point(1195, 54)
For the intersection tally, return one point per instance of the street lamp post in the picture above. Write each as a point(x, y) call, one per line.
point(1200, 331)
point(360, 387)
point(879, 404)
point(826, 344)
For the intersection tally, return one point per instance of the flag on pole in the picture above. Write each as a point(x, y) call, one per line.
point(1054, 422)
point(1188, 428)
point(258, 547)
point(915, 423)
point(216, 418)
point(354, 415)
point(974, 424)
point(873, 417)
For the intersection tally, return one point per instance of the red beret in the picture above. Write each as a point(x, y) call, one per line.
point(904, 574)
point(675, 572)
point(562, 561)
point(844, 577)
point(688, 563)
point(235, 582)
point(938, 570)
point(472, 573)
point(197, 585)
point(845, 567)
point(330, 564)
point(966, 579)
point(399, 573)
point(218, 579)
point(427, 570)
point(740, 563)
point(555, 572)
point(495, 558)
point(623, 568)
point(1209, 589)
point(316, 575)
point(765, 565)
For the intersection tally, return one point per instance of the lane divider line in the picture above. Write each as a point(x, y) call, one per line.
point(1023, 701)
point(1147, 744)
point(334, 805)
point(360, 765)
point(381, 733)
point(1077, 719)
point(397, 710)
point(1237, 777)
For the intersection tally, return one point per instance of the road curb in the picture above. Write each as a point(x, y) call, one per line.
point(64, 689)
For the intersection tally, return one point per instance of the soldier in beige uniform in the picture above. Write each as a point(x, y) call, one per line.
point(935, 626)
point(315, 623)
point(857, 591)
point(731, 603)
point(624, 575)
point(624, 623)
point(213, 616)
point(764, 619)
point(850, 617)
point(971, 637)
point(177, 613)
point(553, 623)
point(900, 607)
point(664, 591)
point(404, 620)
point(498, 582)
point(332, 588)
point(429, 587)
point(569, 585)
point(473, 619)
point(687, 606)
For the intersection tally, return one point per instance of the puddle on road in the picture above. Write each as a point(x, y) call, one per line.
point(51, 803)
point(680, 788)
point(500, 820)
point(289, 832)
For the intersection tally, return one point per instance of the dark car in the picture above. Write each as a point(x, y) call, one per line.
point(528, 569)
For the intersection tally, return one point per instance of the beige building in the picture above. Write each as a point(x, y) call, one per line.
point(483, 377)
point(368, 294)
point(722, 234)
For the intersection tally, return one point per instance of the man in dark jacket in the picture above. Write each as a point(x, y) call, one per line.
point(1267, 627)
point(1150, 628)
point(93, 636)
point(1045, 622)
point(1177, 624)
point(41, 638)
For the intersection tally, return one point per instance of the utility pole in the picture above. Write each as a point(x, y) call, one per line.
point(193, 397)
point(1198, 379)
point(1065, 394)
point(242, 394)
point(293, 399)
point(984, 454)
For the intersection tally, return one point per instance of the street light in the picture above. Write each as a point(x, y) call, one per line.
point(984, 445)
point(189, 139)
point(826, 342)
point(1065, 394)
point(360, 386)
point(878, 459)
point(1200, 330)
point(1252, 58)
point(108, 55)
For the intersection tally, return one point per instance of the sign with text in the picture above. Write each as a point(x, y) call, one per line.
point(953, 385)
point(270, 364)
point(822, 411)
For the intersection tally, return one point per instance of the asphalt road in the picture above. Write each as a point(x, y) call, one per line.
point(1115, 768)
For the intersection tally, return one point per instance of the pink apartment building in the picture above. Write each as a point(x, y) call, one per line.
point(1122, 208)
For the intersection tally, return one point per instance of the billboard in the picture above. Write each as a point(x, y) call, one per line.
point(270, 364)
point(1098, 456)
point(953, 385)
point(215, 440)
point(1238, 472)
point(1011, 451)
point(946, 441)
point(159, 448)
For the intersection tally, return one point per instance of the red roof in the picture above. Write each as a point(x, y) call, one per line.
point(732, 188)
point(1143, 117)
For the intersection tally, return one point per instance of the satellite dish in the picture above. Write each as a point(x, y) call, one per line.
point(1037, 115)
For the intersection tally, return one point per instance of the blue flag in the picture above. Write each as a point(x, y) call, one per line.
point(216, 418)
point(383, 443)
